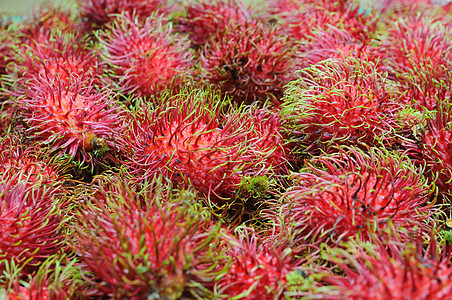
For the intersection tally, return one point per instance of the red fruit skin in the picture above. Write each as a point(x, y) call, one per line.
point(28, 163)
point(418, 48)
point(30, 222)
point(146, 58)
point(300, 19)
point(255, 271)
point(339, 102)
point(95, 14)
point(353, 193)
point(144, 243)
point(436, 149)
point(189, 143)
point(249, 63)
point(205, 18)
point(56, 56)
point(391, 269)
point(75, 120)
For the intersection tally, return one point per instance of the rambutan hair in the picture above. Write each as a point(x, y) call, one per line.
point(352, 193)
point(339, 102)
point(186, 139)
point(95, 14)
point(205, 18)
point(255, 270)
point(249, 63)
point(436, 149)
point(300, 19)
point(30, 221)
point(389, 268)
point(418, 47)
point(146, 57)
point(74, 120)
point(144, 241)
point(56, 56)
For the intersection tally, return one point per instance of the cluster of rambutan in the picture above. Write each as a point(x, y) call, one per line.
point(226, 149)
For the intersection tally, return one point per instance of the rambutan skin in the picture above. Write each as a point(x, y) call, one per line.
point(339, 102)
point(255, 271)
point(146, 58)
point(188, 141)
point(418, 48)
point(249, 63)
point(95, 14)
point(29, 216)
point(436, 150)
point(389, 268)
point(56, 56)
point(143, 242)
point(353, 193)
point(76, 120)
point(204, 19)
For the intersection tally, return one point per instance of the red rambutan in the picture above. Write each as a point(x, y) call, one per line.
point(255, 270)
point(144, 244)
point(30, 222)
point(352, 193)
point(417, 47)
point(389, 268)
point(95, 14)
point(249, 63)
point(56, 56)
point(436, 149)
point(339, 102)
point(146, 58)
point(204, 19)
point(75, 119)
point(186, 140)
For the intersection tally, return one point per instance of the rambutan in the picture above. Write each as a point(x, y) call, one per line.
point(255, 271)
point(186, 140)
point(436, 149)
point(352, 193)
point(56, 56)
point(418, 47)
point(75, 120)
point(339, 102)
point(29, 163)
point(30, 221)
point(249, 63)
point(389, 268)
point(146, 58)
point(204, 19)
point(144, 243)
point(300, 19)
point(95, 14)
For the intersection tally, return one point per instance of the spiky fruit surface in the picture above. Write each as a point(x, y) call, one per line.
point(30, 222)
point(336, 43)
point(146, 57)
point(418, 47)
point(339, 102)
point(436, 149)
point(301, 18)
point(144, 243)
point(75, 119)
point(204, 19)
point(28, 163)
point(57, 56)
point(249, 63)
point(188, 141)
point(390, 269)
point(353, 193)
point(255, 271)
point(96, 14)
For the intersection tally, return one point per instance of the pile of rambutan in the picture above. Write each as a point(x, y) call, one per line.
point(226, 149)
